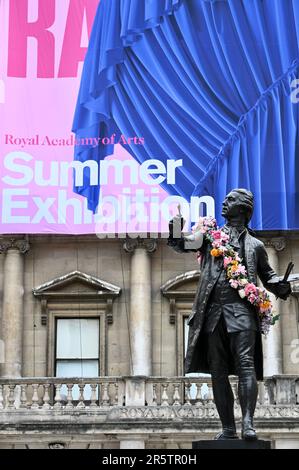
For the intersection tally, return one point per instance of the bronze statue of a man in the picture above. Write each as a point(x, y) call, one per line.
point(224, 329)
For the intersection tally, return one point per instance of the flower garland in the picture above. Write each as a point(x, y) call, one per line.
point(236, 272)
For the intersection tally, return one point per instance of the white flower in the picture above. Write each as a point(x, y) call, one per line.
point(242, 293)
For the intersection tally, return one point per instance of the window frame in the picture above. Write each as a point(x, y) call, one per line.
point(183, 313)
point(98, 318)
point(73, 311)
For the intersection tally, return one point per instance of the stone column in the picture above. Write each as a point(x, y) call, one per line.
point(140, 305)
point(273, 358)
point(12, 312)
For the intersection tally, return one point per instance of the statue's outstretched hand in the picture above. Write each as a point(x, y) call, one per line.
point(283, 289)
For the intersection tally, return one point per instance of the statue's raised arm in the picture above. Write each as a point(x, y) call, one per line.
point(180, 242)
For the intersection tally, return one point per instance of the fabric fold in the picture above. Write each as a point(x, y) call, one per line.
point(118, 24)
point(206, 81)
point(284, 86)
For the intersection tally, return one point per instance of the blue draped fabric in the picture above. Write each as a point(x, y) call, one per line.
point(208, 81)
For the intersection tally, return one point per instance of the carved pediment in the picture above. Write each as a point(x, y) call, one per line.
point(179, 288)
point(74, 284)
point(182, 286)
point(73, 287)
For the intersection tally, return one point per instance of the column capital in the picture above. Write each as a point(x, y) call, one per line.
point(148, 244)
point(278, 243)
point(21, 244)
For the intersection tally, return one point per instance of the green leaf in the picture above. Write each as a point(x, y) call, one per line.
point(275, 319)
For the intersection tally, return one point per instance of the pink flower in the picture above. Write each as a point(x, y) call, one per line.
point(224, 237)
point(216, 244)
point(250, 288)
point(216, 234)
point(236, 272)
point(208, 222)
point(234, 283)
point(251, 297)
point(241, 270)
point(204, 225)
point(226, 261)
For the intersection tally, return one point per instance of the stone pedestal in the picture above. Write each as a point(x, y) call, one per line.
point(231, 444)
point(12, 313)
point(140, 305)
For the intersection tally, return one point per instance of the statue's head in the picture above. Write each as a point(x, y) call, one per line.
point(238, 203)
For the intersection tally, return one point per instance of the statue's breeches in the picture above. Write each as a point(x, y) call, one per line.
point(224, 349)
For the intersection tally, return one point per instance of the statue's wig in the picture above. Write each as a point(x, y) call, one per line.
point(246, 201)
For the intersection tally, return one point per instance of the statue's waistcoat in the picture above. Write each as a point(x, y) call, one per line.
point(210, 271)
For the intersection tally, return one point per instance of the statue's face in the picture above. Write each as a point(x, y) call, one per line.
point(231, 205)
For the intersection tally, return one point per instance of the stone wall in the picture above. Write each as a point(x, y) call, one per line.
point(52, 256)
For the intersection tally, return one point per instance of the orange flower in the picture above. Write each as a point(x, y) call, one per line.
point(215, 252)
point(265, 305)
point(235, 267)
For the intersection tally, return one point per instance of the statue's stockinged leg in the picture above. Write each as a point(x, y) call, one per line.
point(218, 346)
point(224, 401)
point(243, 349)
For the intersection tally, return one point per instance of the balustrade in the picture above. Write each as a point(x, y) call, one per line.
point(104, 393)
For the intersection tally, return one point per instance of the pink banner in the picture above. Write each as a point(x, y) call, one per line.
point(43, 44)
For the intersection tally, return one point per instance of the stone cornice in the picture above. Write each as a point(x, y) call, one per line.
point(278, 417)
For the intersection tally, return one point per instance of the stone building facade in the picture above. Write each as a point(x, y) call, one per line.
point(92, 342)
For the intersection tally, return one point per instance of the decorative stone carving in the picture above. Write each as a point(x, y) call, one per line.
point(77, 286)
point(21, 244)
point(278, 243)
point(44, 311)
point(76, 279)
point(150, 245)
point(109, 312)
point(172, 311)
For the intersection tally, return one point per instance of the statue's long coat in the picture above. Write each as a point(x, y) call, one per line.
point(257, 264)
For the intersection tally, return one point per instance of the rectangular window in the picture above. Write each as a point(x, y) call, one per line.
point(77, 350)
